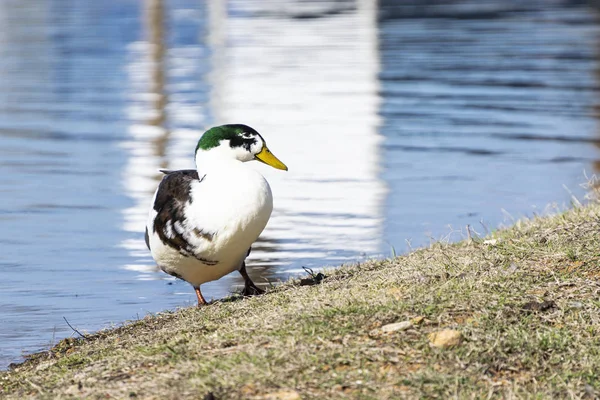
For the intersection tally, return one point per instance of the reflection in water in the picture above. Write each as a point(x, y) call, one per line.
point(154, 16)
point(149, 139)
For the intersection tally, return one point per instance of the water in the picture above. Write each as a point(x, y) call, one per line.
point(399, 125)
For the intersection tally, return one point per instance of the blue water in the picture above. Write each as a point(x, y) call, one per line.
point(400, 125)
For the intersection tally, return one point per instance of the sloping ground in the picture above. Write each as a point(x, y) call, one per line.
point(522, 308)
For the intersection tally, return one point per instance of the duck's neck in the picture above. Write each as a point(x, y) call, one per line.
point(207, 161)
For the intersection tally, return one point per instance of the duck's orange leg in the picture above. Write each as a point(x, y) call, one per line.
point(201, 300)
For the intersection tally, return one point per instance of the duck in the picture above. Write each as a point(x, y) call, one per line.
point(202, 222)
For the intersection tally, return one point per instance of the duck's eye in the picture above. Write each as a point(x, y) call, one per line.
point(247, 135)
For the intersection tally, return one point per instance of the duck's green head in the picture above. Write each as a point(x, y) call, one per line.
point(236, 141)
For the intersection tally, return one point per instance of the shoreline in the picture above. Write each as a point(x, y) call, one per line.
point(512, 314)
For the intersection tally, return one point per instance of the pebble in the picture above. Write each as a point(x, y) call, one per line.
point(445, 338)
point(397, 326)
point(389, 328)
point(283, 395)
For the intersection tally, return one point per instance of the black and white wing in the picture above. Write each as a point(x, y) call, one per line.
point(170, 225)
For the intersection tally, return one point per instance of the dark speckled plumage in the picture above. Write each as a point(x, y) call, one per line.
point(171, 199)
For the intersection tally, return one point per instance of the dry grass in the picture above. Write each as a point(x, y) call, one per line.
point(526, 303)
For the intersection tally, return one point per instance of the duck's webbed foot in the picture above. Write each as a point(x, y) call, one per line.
point(250, 289)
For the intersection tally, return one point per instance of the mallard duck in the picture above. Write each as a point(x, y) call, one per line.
point(203, 222)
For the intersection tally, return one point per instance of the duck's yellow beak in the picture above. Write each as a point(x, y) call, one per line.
point(265, 156)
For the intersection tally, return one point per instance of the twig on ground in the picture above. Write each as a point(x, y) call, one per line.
point(75, 330)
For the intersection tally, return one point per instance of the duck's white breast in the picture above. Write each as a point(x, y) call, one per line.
point(235, 206)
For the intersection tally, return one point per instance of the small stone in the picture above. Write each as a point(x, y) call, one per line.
point(576, 304)
point(445, 338)
point(397, 326)
point(491, 242)
point(512, 268)
point(43, 366)
point(283, 395)
point(417, 320)
point(389, 328)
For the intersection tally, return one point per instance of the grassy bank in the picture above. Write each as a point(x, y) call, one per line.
point(517, 313)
